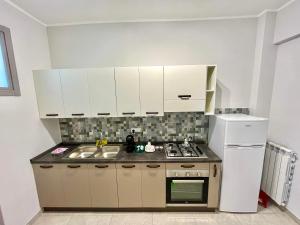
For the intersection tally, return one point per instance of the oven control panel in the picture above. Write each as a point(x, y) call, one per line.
point(187, 173)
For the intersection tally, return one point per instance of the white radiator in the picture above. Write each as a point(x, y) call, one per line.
point(279, 166)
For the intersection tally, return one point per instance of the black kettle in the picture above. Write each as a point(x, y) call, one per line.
point(130, 144)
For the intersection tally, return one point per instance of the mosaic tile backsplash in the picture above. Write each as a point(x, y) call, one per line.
point(170, 127)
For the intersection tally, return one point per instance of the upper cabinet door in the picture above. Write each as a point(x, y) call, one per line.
point(127, 89)
point(48, 93)
point(185, 82)
point(102, 92)
point(75, 92)
point(151, 90)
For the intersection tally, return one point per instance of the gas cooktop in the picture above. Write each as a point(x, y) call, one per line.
point(191, 150)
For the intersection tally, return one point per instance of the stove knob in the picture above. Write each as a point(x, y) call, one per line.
point(199, 174)
point(187, 174)
point(176, 174)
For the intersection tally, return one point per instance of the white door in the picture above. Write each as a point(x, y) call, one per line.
point(151, 91)
point(102, 92)
point(48, 92)
point(128, 91)
point(75, 92)
point(246, 133)
point(189, 81)
point(242, 170)
point(185, 88)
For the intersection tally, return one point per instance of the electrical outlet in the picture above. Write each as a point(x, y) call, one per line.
point(136, 130)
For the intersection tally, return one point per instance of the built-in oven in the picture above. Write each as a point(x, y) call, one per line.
point(187, 188)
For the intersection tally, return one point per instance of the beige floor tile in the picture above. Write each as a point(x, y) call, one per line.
point(47, 219)
point(131, 219)
point(89, 220)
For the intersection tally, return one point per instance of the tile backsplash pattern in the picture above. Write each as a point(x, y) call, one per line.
point(170, 127)
point(232, 110)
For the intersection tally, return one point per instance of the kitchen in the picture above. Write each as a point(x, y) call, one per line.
point(139, 115)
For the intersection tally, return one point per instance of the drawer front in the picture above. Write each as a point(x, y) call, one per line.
point(184, 105)
point(246, 133)
point(184, 166)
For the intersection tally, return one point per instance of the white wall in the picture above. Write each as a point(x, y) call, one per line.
point(264, 66)
point(284, 123)
point(288, 23)
point(22, 134)
point(228, 43)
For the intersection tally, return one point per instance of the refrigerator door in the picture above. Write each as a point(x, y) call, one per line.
point(242, 170)
point(246, 133)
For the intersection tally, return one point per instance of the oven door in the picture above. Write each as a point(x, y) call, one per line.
point(183, 191)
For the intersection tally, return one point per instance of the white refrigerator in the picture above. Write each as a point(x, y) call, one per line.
point(239, 140)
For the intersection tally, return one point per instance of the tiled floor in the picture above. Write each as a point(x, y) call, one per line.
point(270, 216)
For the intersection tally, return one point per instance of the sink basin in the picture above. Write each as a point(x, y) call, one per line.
point(83, 152)
point(108, 152)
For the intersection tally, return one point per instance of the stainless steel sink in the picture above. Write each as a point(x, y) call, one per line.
point(108, 152)
point(91, 151)
point(82, 152)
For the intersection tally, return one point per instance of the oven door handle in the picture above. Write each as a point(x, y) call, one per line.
point(188, 181)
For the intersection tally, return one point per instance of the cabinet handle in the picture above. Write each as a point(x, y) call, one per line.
point(46, 166)
point(153, 166)
point(215, 170)
point(52, 114)
point(184, 97)
point(151, 113)
point(101, 166)
point(77, 114)
point(128, 113)
point(73, 166)
point(128, 166)
point(187, 166)
point(103, 114)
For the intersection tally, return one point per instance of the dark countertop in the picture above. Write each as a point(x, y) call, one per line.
point(122, 157)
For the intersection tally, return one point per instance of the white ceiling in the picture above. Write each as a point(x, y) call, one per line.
point(53, 12)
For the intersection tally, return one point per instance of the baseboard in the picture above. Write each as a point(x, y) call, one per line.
point(293, 216)
point(34, 218)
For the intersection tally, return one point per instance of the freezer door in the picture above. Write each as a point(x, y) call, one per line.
point(242, 171)
point(246, 133)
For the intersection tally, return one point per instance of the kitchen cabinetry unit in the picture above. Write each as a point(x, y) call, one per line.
point(214, 185)
point(75, 180)
point(211, 84)
point(128, 91)
point(48, 93)
point(75, 92)
point(184, 88)
point(102, 92)
point(153, 185)
point(103, 185)
point(151, 91)
point(129, 185)
point(49, 184)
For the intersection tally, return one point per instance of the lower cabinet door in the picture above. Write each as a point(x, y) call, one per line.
point(153, 185)
point(49, 184)
point(129, 185)
point(103, 185)
point(75, 181)
point(214, 185)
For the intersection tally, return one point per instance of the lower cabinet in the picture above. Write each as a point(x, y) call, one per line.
point(214, 185)
point(75, 181)
point(129, 185)
point(153, 185)
point(103, 185)
point(49, 184)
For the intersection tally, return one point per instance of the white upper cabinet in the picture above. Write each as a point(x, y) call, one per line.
point(48, 93)
point(127, 90)
point(75, 92)
point(151, 91)
point(102, 92)
point(185, 88)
